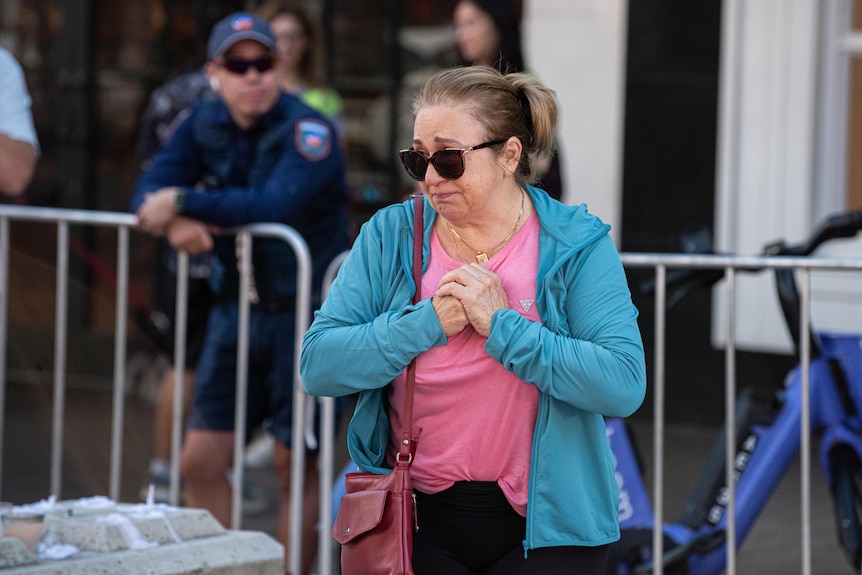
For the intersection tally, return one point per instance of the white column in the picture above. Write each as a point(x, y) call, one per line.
point(578, 48)
point(767, 156)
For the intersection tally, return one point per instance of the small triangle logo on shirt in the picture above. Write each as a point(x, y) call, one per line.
point(526, 304)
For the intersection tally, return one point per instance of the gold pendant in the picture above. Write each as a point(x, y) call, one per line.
point(481, 257)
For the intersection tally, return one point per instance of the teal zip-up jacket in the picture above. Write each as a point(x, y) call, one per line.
point(586, 359)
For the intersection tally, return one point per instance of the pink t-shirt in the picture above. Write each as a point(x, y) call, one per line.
point(477, 418)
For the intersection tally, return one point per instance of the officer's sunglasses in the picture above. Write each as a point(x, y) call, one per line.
point(238, 66)
point(449, 162)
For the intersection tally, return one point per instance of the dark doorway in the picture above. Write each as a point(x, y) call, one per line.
point(672, 87)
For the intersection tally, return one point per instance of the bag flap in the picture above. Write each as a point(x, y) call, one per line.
point(358, 513)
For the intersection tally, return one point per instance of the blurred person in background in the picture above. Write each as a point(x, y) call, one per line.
point(299, 51)
point(167, 107)
point(19, 145)
point(257, 154)
point(488, 32)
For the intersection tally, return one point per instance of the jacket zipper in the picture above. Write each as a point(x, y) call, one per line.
point(541, 419)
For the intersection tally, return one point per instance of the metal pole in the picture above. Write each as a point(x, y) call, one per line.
point(730, 418)
point(805, 426)
point(244, 238)
point(119, 359)
point(60, 356)
point(297, 452)
point(4, 301)
point(658, 417)
point(327, 449)
point(178, 411)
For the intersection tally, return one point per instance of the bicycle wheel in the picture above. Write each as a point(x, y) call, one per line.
point(847, 500)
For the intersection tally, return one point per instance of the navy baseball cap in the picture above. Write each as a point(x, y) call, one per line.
point(240, 26)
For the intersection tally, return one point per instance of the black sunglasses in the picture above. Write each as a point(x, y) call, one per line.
point(240, 67)
point(449, 162)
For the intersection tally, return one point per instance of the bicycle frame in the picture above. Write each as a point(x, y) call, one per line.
point(764, 452)
point(767, 431)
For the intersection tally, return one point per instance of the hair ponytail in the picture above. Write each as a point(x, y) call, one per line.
point(540, 112)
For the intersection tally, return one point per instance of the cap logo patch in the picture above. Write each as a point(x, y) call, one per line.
point(242, 23)
point(313, 139)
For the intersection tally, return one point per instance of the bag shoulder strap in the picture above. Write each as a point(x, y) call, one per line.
point(408, 442)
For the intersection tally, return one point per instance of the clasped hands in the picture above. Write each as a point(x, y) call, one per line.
point(157, 217)
point(469, 295)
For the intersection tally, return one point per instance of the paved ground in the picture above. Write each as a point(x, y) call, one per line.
point(773, 547)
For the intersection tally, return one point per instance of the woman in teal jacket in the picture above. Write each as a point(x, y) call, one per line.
point(573, 339)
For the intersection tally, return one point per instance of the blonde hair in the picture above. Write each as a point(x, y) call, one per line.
point(505, 105)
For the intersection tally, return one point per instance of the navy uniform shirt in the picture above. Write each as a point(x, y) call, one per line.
point(287, 168)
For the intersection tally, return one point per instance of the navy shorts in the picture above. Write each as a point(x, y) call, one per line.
point(270, 372)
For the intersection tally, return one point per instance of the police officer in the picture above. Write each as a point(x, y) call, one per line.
point(262, 156)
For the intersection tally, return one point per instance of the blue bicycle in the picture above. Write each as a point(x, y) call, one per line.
point(767, 431)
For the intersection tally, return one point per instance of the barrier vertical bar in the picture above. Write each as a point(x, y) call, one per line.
point(297, 446)
point(658, 417)
point(297, 452)
point(326, 480)
point(60, 356)
point(178, 411)
point(327, 448)
point(122, 311)
point(805, 425)
point(240, 416)
point(4, 299)
point(730, 417)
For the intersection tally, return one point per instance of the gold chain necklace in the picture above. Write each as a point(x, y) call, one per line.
point(481, 256)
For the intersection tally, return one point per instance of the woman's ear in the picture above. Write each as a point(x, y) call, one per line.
point(511, 155)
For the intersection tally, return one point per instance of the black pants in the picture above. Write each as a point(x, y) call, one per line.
point(470, 529)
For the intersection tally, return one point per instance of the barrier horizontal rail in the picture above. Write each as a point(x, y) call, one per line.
point(653, 260)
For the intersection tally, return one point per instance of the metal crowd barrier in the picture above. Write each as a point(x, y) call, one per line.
point(63, 218)
point(730, 264)
point(123, 222)
point(660, 263)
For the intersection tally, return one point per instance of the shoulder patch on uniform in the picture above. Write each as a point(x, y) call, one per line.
point(313, 139)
